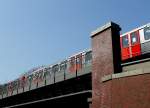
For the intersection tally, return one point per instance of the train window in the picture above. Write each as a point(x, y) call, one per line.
point(88, 57)
point(134, 38)
point(30, 77)
point(79, 59)
point(125, 41)
point(35, 76)
point(63, 66)
point(55, 68)
point(41, 76)
point(5, 88)
point(15, 84)
point(10, 85)
point(47, 71)
point(147, 33)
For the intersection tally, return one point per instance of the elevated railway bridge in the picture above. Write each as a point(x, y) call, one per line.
point(73, 92)
point(64, 87)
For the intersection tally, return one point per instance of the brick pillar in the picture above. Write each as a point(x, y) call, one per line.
point(106, 60)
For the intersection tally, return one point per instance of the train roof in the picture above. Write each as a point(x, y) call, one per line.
point(36, 69)
point(59, 62)
point(31, 71)
point(138, 28)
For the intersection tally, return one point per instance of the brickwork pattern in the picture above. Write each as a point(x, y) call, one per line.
point(131, 92)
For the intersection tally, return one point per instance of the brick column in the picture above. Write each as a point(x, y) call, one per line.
point(106, 60)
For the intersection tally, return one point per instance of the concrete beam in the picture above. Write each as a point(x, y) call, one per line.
point(126, 74)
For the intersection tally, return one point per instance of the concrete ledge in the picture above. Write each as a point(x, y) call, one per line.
point(126, 74)
point(89, 100)
point(100, 29)
point(106, 78)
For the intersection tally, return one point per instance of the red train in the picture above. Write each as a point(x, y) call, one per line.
point(136, 42)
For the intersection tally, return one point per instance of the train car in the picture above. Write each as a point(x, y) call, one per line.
point(136, 42)
point(72, 67)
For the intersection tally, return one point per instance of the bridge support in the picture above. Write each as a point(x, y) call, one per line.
point(106, 60)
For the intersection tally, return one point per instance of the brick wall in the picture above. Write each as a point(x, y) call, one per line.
point(106, 61)
point(131, 92)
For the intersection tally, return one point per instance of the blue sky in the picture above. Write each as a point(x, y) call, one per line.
point(42, 32)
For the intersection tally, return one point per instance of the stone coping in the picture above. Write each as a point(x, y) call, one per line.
point(104, 27)
point(126, 74)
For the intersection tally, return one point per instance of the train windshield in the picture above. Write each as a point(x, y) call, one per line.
point(147, 33)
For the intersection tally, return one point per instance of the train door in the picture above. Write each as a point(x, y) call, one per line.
point(79, 62)
point(41, 78)
point(21, 83)
point(5, 90)
point(34, 81)
point(15, 87)
point(145, 39)
point(71, 68)
point(49, 77)
point(55, 70)
point(28, 82)
point(10, 89)
point(59, 75)
point(135, 43)
point(125, 48)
